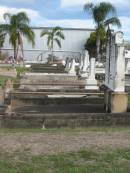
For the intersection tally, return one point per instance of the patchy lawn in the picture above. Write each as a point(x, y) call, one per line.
point(89, 150)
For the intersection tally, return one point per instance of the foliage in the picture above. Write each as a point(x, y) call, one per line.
point(53, 36)
point(17, 26)
point(90, 44)
point(21, 70)
point(2, 81)
point(104, 15)
point(2, 39)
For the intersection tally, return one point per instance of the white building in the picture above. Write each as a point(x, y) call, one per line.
point(73, 44)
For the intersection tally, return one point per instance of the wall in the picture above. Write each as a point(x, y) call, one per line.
point(74, 42)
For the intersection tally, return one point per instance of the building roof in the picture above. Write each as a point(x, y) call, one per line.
point(81, 29)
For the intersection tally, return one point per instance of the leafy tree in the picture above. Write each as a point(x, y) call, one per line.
point(2, 39)
point(104, 15)
point(90, 44)
point(53, 36)
point(17, 25)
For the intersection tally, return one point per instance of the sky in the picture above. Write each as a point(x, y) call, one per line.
point(64, 13)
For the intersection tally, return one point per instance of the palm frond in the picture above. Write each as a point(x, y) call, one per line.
point(7, 16)
point(88, 6)
point(58, 42)
point(23, 18)
point(114, 21)
point(5, 28)
point(60, 35)
point(2, 38)
point(13, 39)
point(43, 33)
point(48, 40)
point(28, 33)
point(107, 7)
point(57, 28)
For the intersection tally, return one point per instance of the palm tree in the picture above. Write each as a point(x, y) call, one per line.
point(55, 35)
point(104, 15)
point(17, 25)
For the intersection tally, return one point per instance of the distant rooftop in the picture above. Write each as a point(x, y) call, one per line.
point(82, 29)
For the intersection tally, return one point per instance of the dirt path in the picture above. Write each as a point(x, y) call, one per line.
point(50, 143)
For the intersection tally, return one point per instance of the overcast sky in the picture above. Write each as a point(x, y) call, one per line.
point(64, 13)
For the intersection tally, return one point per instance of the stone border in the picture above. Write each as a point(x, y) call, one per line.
point(64, 120)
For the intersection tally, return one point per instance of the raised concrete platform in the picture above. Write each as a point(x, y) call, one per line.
point(40, 81)
point(71, 120)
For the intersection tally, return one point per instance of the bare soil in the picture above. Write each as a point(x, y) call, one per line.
point(57, 142)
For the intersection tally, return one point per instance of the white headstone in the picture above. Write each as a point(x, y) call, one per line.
point(81, 63)
point(115, 63)
point(91, 82)
point(72, 68)
point(85, 62)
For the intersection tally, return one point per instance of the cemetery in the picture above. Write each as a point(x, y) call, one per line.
point(58, 74)
point(65, 88)
point(76, 91)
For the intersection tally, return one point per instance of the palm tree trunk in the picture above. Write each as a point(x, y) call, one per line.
point(52, 51)
point(98, 43)
point(15, 53)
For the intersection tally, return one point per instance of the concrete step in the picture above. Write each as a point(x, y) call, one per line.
point(61, 108)
point(35, 82)
point(46, 68)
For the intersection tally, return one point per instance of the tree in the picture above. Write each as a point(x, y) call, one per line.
point(53, 36)
point(17, 25)
point(2, 39)
point(104, 15)
point(90, 44)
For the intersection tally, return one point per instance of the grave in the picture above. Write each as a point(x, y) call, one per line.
point(84, 65)
point(116, 100)
point(91, 82)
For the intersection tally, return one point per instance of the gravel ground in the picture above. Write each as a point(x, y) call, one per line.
point(51, 143)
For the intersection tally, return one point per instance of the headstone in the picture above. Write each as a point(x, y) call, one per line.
point(67, 65)
point(85, 62)
point(127, 61)
point(115, 63)
point(84, 70)
point(117, 100)
point(81, 63)
point(72, 70)
point(91, 82)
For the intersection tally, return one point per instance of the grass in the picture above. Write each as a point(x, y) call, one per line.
point(128, 99)
point(66, 130)
point(2, 81)
point(83, 161)
point(21, 70)
point(16, 81)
